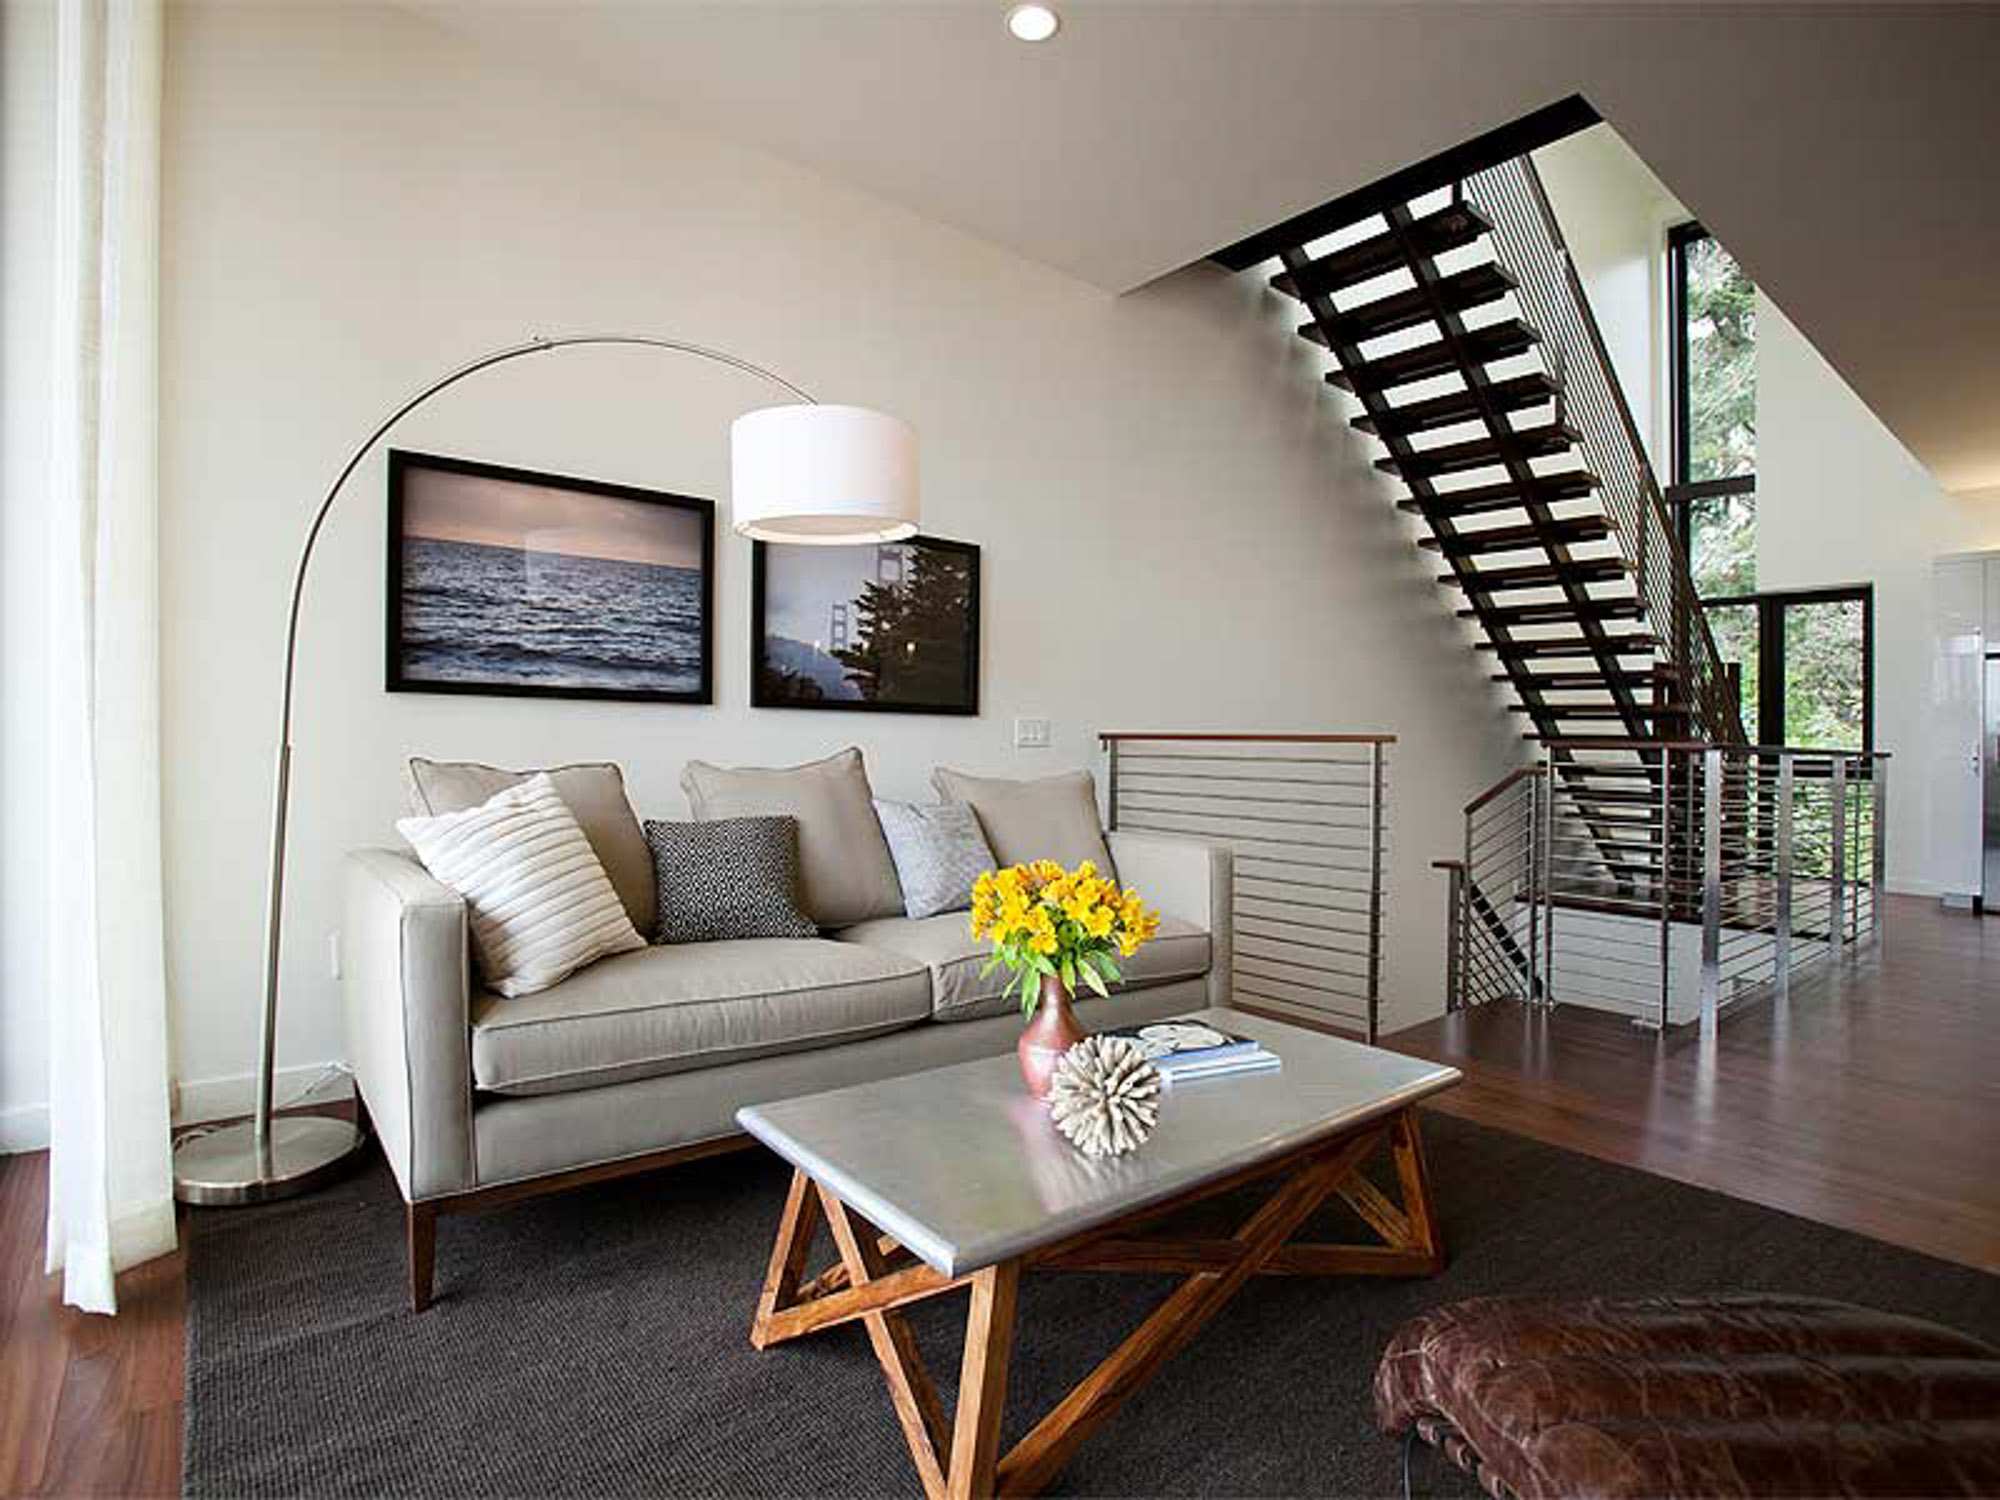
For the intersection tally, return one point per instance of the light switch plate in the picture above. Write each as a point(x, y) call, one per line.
point(1031, 734)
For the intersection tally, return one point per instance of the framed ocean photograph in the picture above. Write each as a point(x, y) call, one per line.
point(505, 581)
point(889, 627)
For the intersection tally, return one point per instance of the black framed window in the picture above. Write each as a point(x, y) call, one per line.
point(1803, 659)
point(1712, 307)
point(1804, 663)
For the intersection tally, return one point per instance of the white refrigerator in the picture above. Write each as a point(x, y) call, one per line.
point(1964, 772)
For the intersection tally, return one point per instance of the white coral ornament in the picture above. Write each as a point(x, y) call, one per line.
point(1105, 1095)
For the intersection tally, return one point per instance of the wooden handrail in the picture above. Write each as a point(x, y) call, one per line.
point(1500, 786)
point(1262, 739)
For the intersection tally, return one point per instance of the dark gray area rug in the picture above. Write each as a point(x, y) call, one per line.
point(596, 1343)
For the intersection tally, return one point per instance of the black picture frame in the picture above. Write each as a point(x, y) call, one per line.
point(962, 698)
point(398, 674)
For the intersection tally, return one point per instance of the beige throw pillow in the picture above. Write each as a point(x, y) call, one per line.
point(594, 793)
point(540, 904)
point(1054, 817)
point(845, 872)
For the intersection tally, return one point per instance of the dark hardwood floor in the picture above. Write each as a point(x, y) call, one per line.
point(1871, 1101)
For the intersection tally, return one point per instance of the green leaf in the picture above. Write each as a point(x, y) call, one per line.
point(1068, 972)
point(1095, 982)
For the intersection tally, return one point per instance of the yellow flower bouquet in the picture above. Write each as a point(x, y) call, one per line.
point(1045, 922)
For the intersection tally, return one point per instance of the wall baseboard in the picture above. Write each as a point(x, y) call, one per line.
point(198, 1100)
point(24, 1127)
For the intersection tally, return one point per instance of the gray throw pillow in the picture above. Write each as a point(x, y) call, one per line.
point(845, 873)
point(939, 851)
point(1054, 817)
point(733, 878)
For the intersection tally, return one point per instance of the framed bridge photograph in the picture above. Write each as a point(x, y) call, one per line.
point(890, 627)
point(511, 582)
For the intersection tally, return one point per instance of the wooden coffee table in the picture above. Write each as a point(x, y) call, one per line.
point(955, 1178)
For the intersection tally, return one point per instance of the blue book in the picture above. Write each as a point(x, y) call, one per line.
point(1256, 1061)
point(1181, 1049)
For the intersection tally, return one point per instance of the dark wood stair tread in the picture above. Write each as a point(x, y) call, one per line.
point(1554, 611)
point(1598, 711)
point(1514, 538)
point(1487, 499)
point(1499, 340)
point(1546, 441)
point(1540, 575)
point(1461, 291)
point(1449, 228)
point(1514, 394)
point(1573, 645)
point(1556, 681)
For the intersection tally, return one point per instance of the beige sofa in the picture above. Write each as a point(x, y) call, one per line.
point(644, 1058)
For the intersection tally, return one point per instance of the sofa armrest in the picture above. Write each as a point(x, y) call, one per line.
point(406, 970)
point(1189, 879)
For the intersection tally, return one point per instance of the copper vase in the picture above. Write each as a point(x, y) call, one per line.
point(1051, 1032)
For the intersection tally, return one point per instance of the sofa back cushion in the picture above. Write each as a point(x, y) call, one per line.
point(939, 852)
point(538, 900)
point(594, 792)
point(845, 872)
point(1054, 817)
point(733, 878)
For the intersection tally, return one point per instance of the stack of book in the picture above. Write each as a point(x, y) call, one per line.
point(1187, 1050)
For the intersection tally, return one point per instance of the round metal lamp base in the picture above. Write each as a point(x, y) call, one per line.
point(229, 1166)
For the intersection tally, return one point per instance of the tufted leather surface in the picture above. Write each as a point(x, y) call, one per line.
point(1731, 1395)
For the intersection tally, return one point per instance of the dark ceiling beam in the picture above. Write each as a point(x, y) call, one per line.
point(1531, 132)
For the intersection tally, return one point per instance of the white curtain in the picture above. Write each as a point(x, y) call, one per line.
point(110, 1163)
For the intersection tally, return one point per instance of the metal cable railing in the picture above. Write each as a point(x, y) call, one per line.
point(1529, 243)
point(1306, 818)
point(1494, 940)
point(1667, 882)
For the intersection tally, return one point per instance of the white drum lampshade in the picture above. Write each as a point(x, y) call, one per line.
point(823, 475)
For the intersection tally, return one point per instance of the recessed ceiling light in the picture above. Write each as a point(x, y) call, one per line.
point(1033, 23)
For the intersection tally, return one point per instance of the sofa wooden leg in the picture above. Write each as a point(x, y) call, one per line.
point(422, 1220)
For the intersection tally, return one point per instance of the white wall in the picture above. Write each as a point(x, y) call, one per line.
point(1839, 499)
point(27, 103)
point(1614, 216)
point(1178, 532)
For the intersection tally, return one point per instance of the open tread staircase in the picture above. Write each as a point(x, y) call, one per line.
point(1536, 556)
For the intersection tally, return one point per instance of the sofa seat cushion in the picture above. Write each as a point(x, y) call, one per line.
point(692, 1005)
point(946, 947)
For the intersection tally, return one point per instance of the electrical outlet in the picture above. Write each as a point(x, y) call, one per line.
point(333, 953)
point(1031, 734)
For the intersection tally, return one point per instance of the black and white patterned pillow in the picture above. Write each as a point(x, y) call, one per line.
point(732, 878)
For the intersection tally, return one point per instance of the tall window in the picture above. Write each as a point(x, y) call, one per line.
point(1802, 657)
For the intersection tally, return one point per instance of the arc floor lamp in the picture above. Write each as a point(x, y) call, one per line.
point(802, 472)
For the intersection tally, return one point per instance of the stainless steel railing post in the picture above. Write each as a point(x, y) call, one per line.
point(1537, 831)
point(1665, 888)
point(1781, 957)
point(1837, 908)
point(1374, 1001)
point(1878, 770)
point(1711, 892)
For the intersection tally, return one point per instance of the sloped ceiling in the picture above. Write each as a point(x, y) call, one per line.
point(1846, 153)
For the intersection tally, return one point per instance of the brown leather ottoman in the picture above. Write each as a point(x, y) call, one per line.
point(1746, 1395)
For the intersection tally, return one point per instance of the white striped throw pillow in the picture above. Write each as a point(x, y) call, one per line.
point(541, 905)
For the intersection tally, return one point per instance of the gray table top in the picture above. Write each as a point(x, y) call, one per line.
point(962, 1166)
